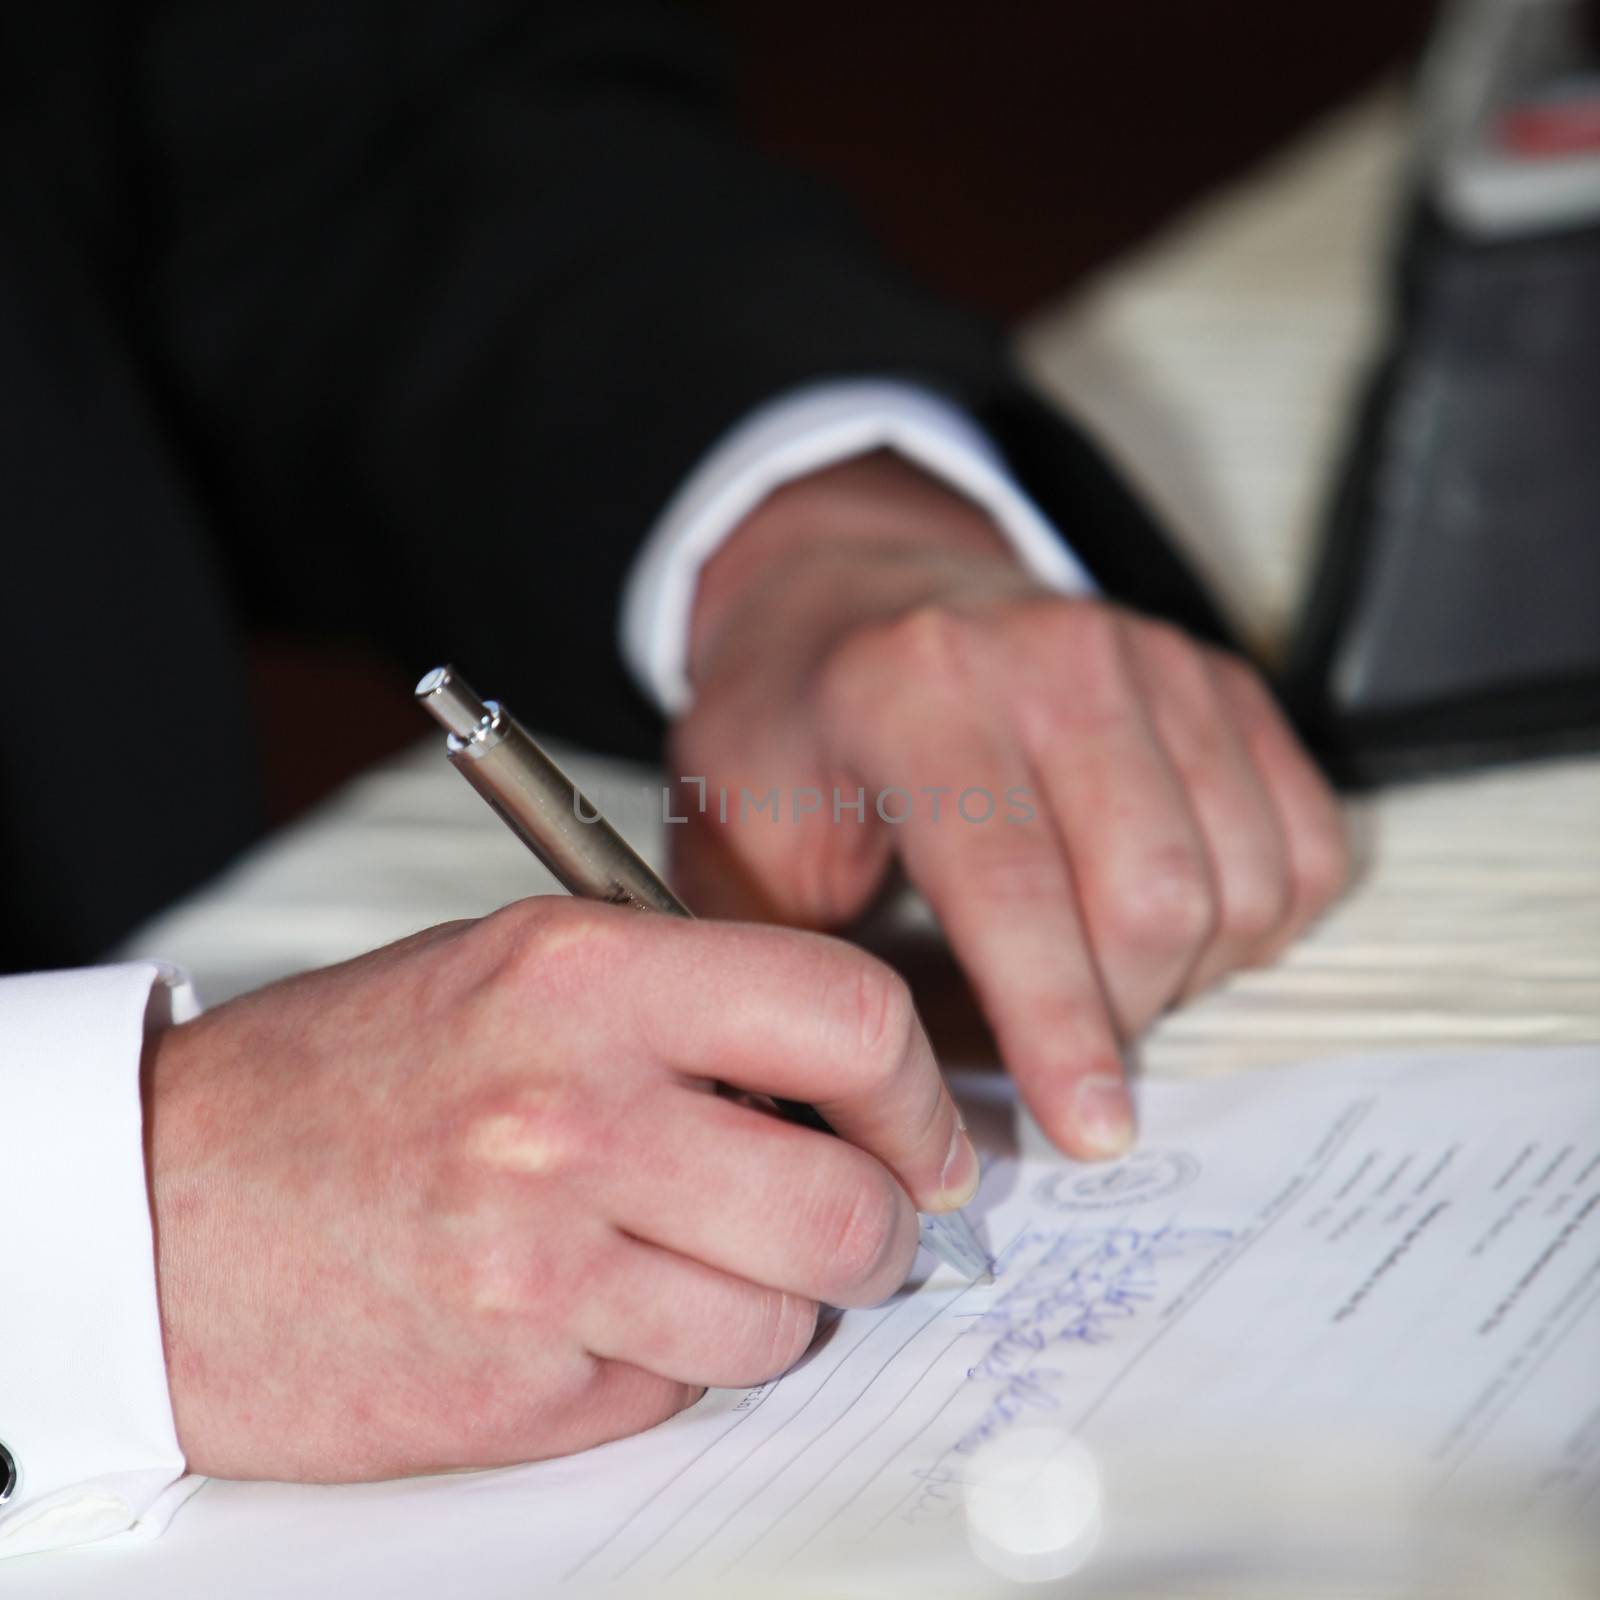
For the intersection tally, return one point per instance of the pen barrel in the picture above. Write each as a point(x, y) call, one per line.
point(586, 854)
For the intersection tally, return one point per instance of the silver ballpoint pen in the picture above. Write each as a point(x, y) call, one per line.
point(541, 805)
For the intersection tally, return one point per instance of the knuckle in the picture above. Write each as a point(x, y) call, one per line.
point(1254, 904)
point(1095, 639)
point(595, 1401)
point(485, 1279)
point(1233, 671)
point(533, 1130)
point(929, 649)
point(784, 1327)
point(1169, 649)
point(1083, 684)
point(930, 638)
point(1178, 676)
point(554, 942)
point(1326, 865)
point(856, 1232)
point(604, 1413)
point(521, 919)
point(1167, 906)
point(1244, 689)
point(885, 1017)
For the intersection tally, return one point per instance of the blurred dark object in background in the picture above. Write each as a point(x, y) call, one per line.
point(998, 151)
point(1456, 617)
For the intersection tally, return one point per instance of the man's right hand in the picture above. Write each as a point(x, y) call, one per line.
point(471, 1199)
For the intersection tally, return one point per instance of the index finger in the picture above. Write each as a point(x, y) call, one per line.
point(805, 1017)
point(1004, 894)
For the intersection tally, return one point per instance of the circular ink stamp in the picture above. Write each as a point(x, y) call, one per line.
point(1144, 1175)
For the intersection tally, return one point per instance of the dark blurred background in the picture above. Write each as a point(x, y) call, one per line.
point(1000, 150)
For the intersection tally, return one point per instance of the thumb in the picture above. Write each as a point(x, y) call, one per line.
point(810, 852)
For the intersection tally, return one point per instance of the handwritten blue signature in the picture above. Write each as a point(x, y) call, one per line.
point(1081, 1287)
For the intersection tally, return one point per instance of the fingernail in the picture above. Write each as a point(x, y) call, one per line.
point(958, 1182)
point(1104, 1115)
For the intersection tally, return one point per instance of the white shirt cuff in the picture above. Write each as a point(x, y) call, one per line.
point(84, 1407)
point(785, 439)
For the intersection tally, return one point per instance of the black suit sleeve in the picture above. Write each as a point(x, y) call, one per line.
point(449, 298)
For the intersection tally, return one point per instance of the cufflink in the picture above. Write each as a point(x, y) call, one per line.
point(8, 1473)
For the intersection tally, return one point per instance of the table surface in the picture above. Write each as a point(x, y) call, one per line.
point(1218, 365)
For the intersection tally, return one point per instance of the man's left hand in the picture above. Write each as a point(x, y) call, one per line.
point(1106, 816)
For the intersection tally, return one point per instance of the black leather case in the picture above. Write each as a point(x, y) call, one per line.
point(1455, 618)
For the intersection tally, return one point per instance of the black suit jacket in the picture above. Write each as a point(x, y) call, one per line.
point(403, 319)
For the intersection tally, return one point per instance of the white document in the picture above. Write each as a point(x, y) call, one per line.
point(1346, 1312)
